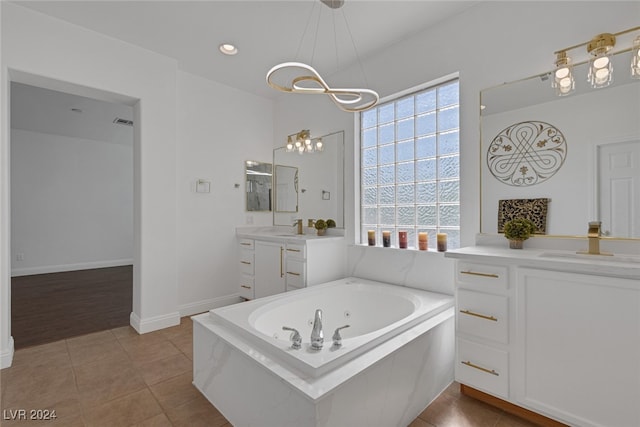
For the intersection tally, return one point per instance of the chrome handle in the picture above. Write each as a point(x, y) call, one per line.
point(245, 262)
point(245, 286)
point(292, 273)
point(337, 339)
point(488, 371)
point(482, 316)
point(296, 339)
point(473, 273)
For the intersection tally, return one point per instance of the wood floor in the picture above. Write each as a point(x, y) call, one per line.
point(56, 306)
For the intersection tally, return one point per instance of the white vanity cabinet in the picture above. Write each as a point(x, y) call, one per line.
point(556, 336)
point(578, 350)
point(482, 327)
point(275, 264)
point(269, 272)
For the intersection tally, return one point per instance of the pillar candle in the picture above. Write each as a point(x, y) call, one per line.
point(402, 239)
point(371, 236)
point(442, 242)
point(386, 239)
point(422, 241)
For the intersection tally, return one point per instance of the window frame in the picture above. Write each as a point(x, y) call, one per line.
point(360, 239)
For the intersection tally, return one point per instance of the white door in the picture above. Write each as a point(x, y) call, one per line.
point(619, 188)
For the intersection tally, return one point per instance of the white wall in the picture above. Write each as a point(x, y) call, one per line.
point(219, 128)
point(71, 203)
point(491, 43)
point(40, 48)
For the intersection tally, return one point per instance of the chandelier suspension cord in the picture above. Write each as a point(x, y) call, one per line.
point(335, 40)
point(306, 28)
point(355, 49)
point(315, 40)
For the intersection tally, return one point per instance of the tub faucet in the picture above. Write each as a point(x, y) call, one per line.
point(337, 339)
point(296, 339)
point(317, 336)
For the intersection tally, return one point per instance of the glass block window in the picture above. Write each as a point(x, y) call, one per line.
point(410, 166)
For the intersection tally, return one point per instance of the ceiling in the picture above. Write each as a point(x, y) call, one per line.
point(266, 32)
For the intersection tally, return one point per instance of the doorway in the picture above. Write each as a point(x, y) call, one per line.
point(71, 214)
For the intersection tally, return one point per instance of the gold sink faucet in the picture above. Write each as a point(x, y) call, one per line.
point(298, 223)
point(593, 234)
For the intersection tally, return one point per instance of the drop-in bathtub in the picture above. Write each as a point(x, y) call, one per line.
point(396, 356)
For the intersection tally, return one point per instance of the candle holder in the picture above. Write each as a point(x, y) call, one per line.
point(402, 239)
point(371, 237)
point(386, 239)
point(442, 242)
point(423, 241)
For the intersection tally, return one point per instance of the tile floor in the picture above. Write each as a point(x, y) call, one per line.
point(119, 378)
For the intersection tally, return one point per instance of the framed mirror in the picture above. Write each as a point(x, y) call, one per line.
point(286, 185)
point(594, 173)
point(320, 182)
point(258, 181)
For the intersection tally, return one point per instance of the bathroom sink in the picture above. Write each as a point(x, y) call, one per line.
point(607, 258)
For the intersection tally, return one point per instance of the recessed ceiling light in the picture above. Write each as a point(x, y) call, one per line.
point(228, 49)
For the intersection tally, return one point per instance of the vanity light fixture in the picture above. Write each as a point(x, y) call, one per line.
point(563, 81)
point(298, 77)
point(600, 48)
point(635, 59)
point(302, 142)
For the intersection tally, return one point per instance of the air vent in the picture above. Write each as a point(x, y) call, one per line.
point(123, 122)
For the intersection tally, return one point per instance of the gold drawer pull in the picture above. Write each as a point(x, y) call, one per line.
point(246, 262)
point(246, 244)
point(482, 316)
point(473, 273)
point(292, 273)
point(488, 371)
point(245, 286)
point(293, 250)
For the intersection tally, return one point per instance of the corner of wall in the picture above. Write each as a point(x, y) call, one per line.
point(150, 324)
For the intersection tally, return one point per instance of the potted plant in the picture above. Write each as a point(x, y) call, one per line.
point(331, 223)
point(321, 226)
point(517, 231)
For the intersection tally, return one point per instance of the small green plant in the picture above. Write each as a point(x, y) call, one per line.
point(321, 224)
point(331, 223)
point(519, 229)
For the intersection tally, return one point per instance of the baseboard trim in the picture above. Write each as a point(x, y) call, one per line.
point(150, 324)
point(509, 407)
point(209, 304)
point(6, 355)
point(69, 267)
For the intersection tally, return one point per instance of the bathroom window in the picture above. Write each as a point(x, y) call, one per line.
point(410, 166)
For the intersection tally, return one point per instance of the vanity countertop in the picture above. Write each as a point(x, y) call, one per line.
point(618, 265)
point(273, 234)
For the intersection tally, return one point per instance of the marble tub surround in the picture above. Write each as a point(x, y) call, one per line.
point(389, 384)
point(427, 270)
point(279, 233)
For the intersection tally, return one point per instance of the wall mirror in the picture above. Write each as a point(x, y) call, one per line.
point(286, 184)
point(320, 190)
point(258, 176)
point(599, 177)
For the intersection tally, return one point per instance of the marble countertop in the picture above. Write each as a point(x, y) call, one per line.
point(618, 265)
point(285, 234)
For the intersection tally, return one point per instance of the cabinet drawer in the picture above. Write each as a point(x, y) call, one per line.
point(483, 315)
point(246, 243)
point(483, 367)
point(295, 251)
point(246, 289)
point(295, 273)
point(246, 262)
point(485, 277)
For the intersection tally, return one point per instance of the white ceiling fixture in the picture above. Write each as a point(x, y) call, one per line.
point(228, 49)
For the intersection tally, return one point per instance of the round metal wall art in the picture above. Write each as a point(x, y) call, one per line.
point(526, 153)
